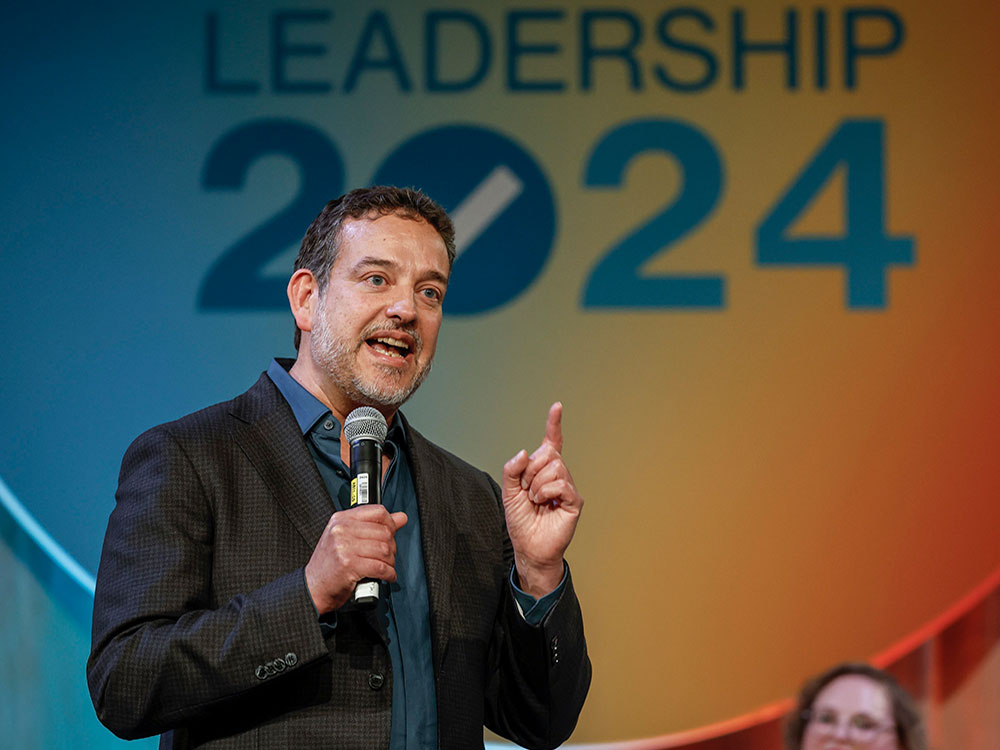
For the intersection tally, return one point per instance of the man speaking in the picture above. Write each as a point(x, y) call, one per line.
point(224, 615)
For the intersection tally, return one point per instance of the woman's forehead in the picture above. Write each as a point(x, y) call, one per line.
point(853, 693)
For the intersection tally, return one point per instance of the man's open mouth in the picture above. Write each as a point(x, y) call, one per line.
point(388, 345)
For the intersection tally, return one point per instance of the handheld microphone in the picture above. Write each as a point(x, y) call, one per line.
point(365, 429)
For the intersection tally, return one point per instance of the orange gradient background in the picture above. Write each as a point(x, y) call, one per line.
point(784, 483)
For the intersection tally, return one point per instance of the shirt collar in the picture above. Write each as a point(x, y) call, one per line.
point(308, 409)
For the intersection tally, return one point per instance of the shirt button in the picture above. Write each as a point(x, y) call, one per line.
point(328, 424)
point(375, 680)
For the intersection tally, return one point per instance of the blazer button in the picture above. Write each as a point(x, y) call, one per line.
point(375, 680)
point(291, 659)
point(260, 672)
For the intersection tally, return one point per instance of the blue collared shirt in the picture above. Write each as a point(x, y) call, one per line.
point(405, 609)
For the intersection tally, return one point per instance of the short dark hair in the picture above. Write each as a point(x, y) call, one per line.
point(319, 247)
point(905, 714)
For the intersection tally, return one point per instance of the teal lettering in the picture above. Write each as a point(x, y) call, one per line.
point(377, 26)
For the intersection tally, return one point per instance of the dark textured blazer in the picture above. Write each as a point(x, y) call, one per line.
point(204, 629)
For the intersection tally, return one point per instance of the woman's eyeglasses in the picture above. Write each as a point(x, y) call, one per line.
point(860, 727)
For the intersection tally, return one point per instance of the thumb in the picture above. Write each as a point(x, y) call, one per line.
point(512, 471)
point(399, 518)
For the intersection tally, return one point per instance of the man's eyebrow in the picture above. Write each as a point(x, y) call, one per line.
point(437, 276)
point(371, 261)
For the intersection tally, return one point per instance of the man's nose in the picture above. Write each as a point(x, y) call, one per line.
point(402, 308)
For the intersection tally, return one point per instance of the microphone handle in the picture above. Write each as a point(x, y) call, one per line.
point(366, 489)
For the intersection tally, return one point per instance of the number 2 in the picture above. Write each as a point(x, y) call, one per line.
point(616, 280)
point(234, 281)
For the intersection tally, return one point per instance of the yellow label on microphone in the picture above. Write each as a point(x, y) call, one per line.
point(359, 490)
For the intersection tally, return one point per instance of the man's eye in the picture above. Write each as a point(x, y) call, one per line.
point(432, 294)
point(376, 280)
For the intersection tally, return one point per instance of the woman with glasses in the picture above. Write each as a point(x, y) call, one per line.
point(854, 706)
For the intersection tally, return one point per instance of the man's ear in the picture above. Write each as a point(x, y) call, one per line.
point(303, 296)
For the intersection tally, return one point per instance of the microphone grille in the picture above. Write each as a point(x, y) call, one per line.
point(365, 422)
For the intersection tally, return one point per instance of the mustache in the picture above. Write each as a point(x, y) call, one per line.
point(372, 329)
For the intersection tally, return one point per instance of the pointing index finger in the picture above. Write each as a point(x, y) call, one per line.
point(553, 426)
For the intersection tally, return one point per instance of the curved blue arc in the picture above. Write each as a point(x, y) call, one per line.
point(66, 581)
point(63, 576)
point(43, 540)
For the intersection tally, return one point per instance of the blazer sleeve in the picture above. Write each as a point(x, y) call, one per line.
point(165, 652)
point(540, 674)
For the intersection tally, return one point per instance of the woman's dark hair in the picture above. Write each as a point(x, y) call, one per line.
point(909, 724)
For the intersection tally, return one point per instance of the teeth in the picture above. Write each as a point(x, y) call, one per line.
point(392, 346)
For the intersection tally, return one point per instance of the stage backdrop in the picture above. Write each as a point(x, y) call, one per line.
point(750, 246)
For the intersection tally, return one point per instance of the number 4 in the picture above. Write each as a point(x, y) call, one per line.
point(864, 249)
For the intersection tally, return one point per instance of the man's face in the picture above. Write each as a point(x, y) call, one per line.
point(375, 328)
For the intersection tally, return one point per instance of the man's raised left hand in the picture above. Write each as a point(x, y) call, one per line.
point(542, 508)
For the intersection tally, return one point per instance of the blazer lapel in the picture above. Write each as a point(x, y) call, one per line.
point(437, 537)
point(271, 439)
